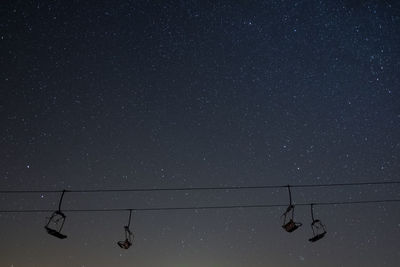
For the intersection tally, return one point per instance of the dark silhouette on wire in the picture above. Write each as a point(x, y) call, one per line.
point(128, 235)
point(56, 221)
point(288, 220)
point(317, 227)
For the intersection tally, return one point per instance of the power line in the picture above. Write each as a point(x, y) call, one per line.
point(207, 207)
point(198, 188)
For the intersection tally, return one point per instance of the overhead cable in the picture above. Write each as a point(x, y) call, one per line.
point(208, 207)
point(105, 190)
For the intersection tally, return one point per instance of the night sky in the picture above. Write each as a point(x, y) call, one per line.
point(164, 94)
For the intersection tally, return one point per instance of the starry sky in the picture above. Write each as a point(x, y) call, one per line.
point(160, 94)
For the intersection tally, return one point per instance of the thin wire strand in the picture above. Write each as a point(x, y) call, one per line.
point(207, 207)
point(198, 188)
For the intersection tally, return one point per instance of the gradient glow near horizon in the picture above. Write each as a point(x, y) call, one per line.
point(161, 94)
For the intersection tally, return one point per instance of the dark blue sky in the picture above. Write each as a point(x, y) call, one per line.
point(144, 94)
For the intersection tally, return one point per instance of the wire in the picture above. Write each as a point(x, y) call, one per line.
point(206, 207)
point(198, 188)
